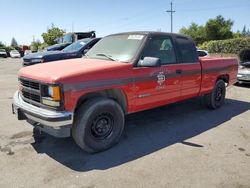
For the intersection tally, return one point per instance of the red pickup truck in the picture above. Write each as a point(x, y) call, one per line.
point(122, 74)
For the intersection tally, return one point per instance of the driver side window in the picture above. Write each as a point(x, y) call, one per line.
point(162, 48)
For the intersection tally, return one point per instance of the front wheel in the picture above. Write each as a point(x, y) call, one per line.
point(98, 124)
point(216, 98)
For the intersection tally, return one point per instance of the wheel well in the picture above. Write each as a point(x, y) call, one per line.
point(116, 94)
point(224, 77)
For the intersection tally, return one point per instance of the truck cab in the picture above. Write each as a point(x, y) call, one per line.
point(123, 73)
point(70, 38)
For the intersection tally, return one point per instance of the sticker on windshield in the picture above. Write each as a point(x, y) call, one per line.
point(82, 43)
point(135, 37)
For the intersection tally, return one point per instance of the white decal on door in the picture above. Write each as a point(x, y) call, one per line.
point(161, 80)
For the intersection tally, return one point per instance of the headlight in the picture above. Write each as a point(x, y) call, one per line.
point(51, 91)
point(51, 95)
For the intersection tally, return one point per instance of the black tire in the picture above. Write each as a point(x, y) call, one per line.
point(98, 124)
point(216, 98)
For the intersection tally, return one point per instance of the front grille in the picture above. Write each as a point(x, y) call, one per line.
point(29, 84)
point(30, 91)
point(31, 96)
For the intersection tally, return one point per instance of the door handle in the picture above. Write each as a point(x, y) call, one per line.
point(178, 71)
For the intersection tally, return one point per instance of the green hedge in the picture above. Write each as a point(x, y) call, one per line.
point(232, 46)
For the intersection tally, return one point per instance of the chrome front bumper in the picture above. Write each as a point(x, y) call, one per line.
point(52, 122)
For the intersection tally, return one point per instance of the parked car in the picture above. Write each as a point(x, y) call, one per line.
point(243, 75)
point(3, 53)
point(75, 50)
point(124, 73)
point(69, 38)
point(202, 53)
point(26, 52)
point(15, 54)
point(58, 47)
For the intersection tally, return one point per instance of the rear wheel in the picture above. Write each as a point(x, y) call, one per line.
point(216, 98)
point(98, 124)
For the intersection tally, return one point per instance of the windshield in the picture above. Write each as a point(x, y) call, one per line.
point(68, 38)
point(121, 47)
point(59, 40)
point(14, 51)
point(76, 46)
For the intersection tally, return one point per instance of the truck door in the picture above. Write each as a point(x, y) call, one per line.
point(190, 68)
point(156, 86)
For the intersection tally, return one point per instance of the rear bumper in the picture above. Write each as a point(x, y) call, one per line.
point(57, 124)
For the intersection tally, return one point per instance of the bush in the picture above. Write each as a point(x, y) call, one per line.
point(232, 46)
point(244, 55)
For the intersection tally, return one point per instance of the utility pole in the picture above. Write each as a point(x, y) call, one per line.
point(171, 11)
point(72, 27)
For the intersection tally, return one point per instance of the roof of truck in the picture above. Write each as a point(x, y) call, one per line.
point(151, 33)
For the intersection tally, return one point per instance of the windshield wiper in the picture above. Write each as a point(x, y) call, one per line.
point(107, 56)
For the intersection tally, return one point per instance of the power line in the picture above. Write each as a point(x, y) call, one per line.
point(171, 11)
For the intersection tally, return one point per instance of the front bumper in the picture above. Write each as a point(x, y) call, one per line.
point(3, 55)
point(243, 78)
point(25, 64)
point(16, 56)
point(28, 62)
point(55, 123)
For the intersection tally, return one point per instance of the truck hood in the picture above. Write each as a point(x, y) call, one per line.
point(75, 70)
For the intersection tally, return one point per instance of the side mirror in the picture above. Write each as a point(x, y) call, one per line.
point(149, 62)
point(85, 51)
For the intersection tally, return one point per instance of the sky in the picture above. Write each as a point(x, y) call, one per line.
point(25, 20)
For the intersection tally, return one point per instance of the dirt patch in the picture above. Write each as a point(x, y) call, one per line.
point(6, 150)
point(21, 135)
point(241, 149)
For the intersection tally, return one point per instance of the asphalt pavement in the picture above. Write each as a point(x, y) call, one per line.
point(179, 145)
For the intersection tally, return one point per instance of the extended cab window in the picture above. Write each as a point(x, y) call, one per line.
point(162, 48)
point(187, 50)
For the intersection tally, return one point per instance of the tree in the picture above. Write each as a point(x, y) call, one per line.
point(34, 46)
point(43, 46)
point(218, 28)
point(52, 34)
point(13, 43)
point(244, 31)
point(196, 32)
point(2, 45)
point(237, 34)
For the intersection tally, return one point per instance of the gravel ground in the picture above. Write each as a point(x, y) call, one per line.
point(180, 145)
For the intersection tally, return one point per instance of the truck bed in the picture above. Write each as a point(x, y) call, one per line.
point(212, 67)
